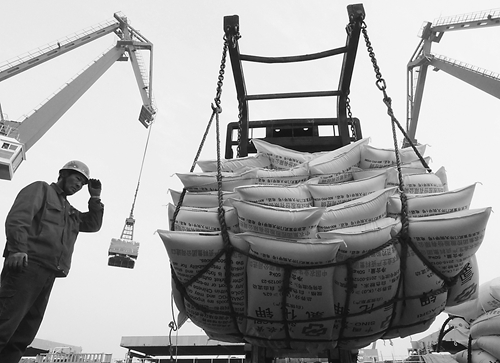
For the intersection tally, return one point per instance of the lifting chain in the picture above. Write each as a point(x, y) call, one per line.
point(227, 250)
point(406, 241)
point(354, 135)
point(220, 78)
point(216, 110)
point(240, 124)
point(234, 42)
point(381, 85)
point(349, 115)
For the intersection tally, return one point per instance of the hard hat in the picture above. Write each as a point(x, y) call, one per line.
point(77, 166)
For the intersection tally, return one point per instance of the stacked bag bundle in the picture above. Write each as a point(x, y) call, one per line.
point(476, 324)
point(312, 254)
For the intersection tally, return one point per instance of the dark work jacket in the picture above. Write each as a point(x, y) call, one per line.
point(42, 224)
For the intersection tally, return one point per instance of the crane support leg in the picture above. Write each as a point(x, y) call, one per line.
point(416, 102)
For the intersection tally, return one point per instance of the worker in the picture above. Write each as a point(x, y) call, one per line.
point(41, 228)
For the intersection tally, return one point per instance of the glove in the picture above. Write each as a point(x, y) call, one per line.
point(95, 188)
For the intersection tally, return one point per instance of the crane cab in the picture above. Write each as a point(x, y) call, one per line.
point(11, 152)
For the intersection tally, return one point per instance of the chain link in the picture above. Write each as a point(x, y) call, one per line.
point(216, 109)
point(240, 125)
point(235, 37)
point(381, 85)
point(373, 59)
point(349, 115)
point(348, 29)
point(220, 78)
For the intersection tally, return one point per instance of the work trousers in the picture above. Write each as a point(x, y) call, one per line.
point(23, 299)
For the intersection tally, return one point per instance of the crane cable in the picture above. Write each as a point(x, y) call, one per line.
point(140, 172)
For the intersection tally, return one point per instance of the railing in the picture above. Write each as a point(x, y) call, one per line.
point(478, 70)
point(456, 19)
point(8, 130)
point(73, 358)
point(142, 69)
point(5, 130)
point(58, 43)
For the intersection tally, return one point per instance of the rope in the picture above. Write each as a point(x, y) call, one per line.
point(443, 332)
point(222, 219)
point(381, 85)
point(140, 172)
point(215, 113)
point(405, 241)
point(181, 198)
point(173, 327)
point(227, 250)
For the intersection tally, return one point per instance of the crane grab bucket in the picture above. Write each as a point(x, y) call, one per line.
point(123, 251)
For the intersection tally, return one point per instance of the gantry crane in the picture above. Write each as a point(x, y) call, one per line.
point(18, 137)
point(422, 58)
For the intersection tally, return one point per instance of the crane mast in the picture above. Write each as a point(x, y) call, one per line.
point(422, 58)
point(18, 137)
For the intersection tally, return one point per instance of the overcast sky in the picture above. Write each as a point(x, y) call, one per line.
point(96, 305)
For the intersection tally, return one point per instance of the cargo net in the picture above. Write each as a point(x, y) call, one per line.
point(294, 250)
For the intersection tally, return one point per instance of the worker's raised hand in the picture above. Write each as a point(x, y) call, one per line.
point(16, 261)
point(95, 188)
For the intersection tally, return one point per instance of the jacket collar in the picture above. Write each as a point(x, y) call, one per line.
point(58, 190)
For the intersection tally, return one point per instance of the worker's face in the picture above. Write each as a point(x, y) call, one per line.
point(73, 183)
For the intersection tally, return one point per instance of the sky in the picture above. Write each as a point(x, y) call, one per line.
point(96, 304)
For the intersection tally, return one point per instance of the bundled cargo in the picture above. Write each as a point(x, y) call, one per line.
point(486, 299)
point(200, 199)
point(366, 285)
point(465, 287)
point(321, 250)
point(258, 160)
point(473, 325)
point(327, 195)
point(201, 219)
point(375, 158)
point(423, 205)
point(291, 197)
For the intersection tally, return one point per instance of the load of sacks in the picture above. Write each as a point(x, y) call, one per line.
point(313, 256)
point(476, 323)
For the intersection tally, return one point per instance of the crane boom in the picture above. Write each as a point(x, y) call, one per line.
point(422, 58)
point(20, 65)
point(486, 81)
point(36, 125)
point(16, 138)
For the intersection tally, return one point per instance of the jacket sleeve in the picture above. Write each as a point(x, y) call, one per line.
point(25, 210)
point(91, 221)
